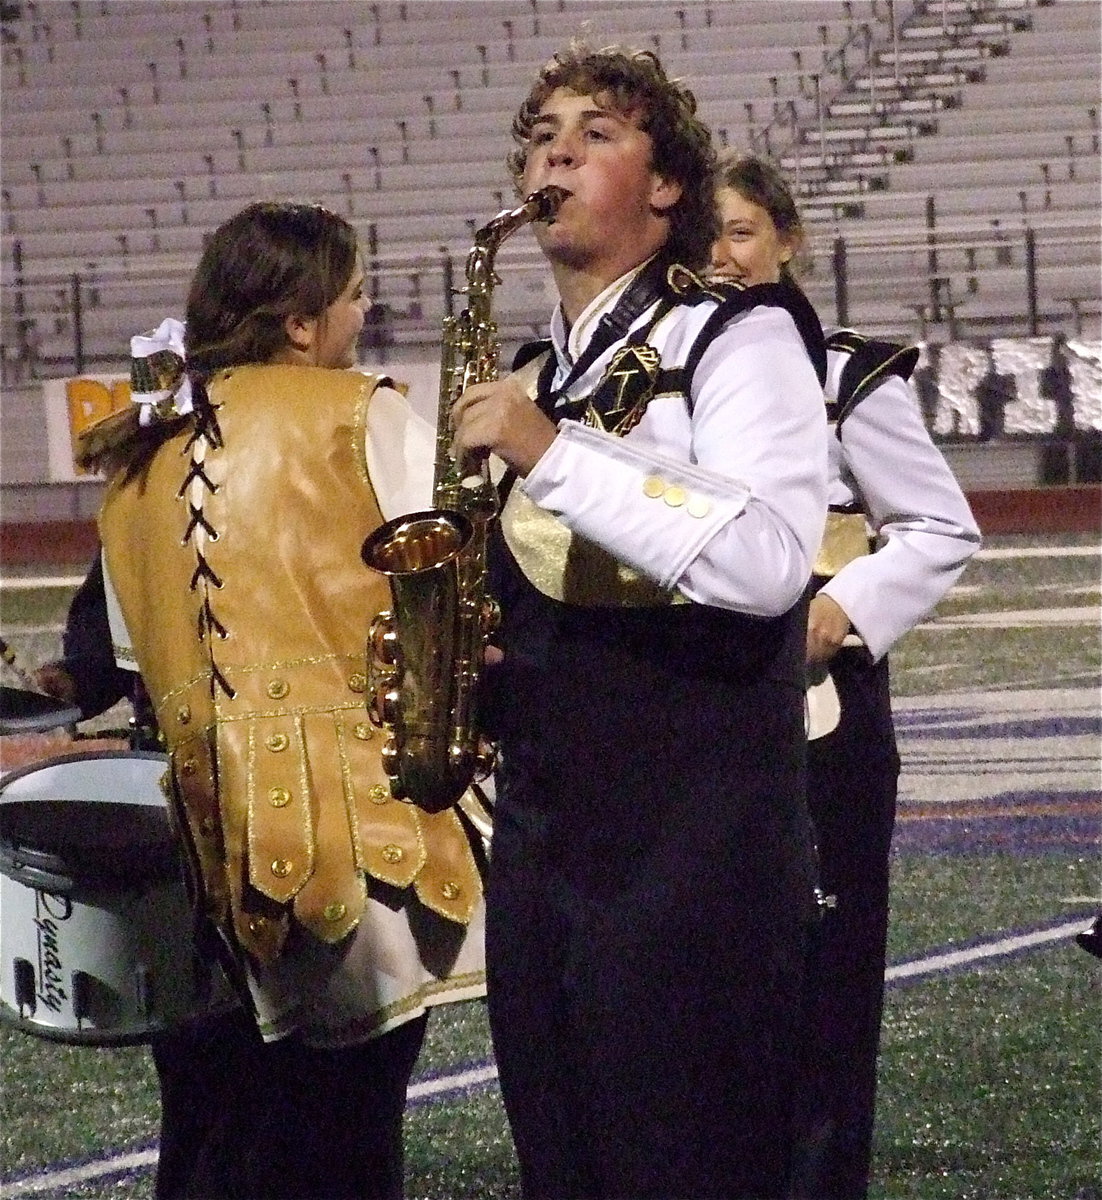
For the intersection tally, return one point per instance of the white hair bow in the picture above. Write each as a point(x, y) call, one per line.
point(158, 380)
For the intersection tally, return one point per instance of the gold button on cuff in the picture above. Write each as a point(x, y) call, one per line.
point(450, 891)
point(379, 793)
point(357, 683)
point(675, 496)
point(281, 868)
point(698, 506)
point(653, 487)
point(256, 925)
point(392, 853)
point(277, 742)
point(183, 714)
point(187, 767)
point(362, 730)
point(278, 688)
point(279, 797)
point(335, 911)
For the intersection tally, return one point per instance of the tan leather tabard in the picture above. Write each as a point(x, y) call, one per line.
point(235, 555)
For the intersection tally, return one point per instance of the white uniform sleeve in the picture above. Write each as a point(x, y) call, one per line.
point(121, 642)
point(738, 525)
point(401, 447)
point(924, 526)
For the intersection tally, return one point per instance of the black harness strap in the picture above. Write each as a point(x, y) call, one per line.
point(647, 287)
point(735, 299)
point(870, 363)
point(670, 285)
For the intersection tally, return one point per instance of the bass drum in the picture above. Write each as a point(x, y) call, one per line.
point(97, 933)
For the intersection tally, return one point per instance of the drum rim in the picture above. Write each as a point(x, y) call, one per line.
point(57, 716)
point(136, 1035)
point(50, 871)
point(79, 756)
point(72, 1037)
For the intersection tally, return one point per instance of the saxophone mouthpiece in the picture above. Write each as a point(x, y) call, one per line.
point(548, 200)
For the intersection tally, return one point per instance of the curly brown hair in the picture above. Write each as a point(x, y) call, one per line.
point(634, 82)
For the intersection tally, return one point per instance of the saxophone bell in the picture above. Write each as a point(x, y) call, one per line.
point(413, 652)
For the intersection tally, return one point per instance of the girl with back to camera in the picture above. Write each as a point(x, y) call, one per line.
point(242, 486)
point(887, 477)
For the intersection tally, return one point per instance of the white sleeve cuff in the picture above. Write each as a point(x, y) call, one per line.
point(121, 641)
point(651, 512)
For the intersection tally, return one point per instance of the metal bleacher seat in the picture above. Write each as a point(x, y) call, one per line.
point(1062, 89)
point(397, 114)
point(1038, 114)
point(983, 200)
point(1027, 170)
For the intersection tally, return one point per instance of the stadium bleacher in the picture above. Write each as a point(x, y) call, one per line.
point(132, 128)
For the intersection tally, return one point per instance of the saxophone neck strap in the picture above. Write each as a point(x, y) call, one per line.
point(647, 287)
point(736, 298)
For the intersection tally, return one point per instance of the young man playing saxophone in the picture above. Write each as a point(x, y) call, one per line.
point(652, 881)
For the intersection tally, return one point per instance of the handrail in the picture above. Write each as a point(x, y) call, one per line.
point(409, 289)
point(169, 267)
point(977, 240)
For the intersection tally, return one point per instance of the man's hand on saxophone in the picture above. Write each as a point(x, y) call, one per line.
point(499, 418)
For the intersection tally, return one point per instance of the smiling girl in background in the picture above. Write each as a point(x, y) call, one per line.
point(899, 533)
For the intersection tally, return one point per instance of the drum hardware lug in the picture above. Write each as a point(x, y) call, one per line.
point(24, 987)
point(80, 994)
point(142, 736)
point(143, 990)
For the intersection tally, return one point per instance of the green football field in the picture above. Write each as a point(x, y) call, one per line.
point(991, 1071)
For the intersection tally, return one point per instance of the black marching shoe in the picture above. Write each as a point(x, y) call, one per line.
point(1091, 939)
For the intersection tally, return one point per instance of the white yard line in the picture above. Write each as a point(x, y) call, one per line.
point(1038, 552)
point(447, 1085)
point(1000, 948)
point(67, 1177)
point(1017, 618)
point(28, 583)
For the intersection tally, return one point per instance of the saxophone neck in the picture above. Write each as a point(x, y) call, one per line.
point(541, 205)
point(470, 348)
point(480, 269)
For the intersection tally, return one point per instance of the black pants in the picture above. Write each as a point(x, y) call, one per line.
point(643, 1054)
point(245, 1120)
point(650, 895)
point(852, 783)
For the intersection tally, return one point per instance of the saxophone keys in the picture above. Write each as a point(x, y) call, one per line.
point(485, 760)
point(383, 640)
point(491, 617)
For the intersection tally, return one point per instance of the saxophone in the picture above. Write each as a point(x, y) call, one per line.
point(425, 654)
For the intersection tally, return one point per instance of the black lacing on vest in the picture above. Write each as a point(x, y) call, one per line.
point(204, 578)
